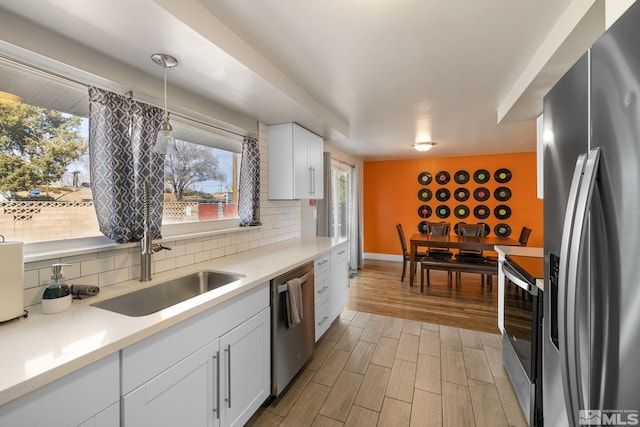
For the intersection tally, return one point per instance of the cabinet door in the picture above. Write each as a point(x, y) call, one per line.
point(315, 150)
point(339, 279)
point(110, 417)
point(246, 369)
point(302, 176)
point(181, 395)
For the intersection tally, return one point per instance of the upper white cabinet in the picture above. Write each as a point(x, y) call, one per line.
point(295, 163)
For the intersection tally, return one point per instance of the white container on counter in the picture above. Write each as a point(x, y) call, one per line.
point(11, 280)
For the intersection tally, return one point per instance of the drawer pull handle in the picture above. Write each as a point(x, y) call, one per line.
point(228, 351)
point(324, 319)
point(323, 289)
point(341, 252)
point(323, 262)
point(217, 409)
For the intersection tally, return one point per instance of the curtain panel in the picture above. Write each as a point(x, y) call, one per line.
point(249, 187)
point(121, 137)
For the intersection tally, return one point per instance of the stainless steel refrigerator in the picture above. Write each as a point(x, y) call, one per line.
point(591, 324)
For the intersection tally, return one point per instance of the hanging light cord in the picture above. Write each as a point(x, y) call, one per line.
point(166, 113)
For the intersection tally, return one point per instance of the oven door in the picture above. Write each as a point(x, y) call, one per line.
point(520, 316)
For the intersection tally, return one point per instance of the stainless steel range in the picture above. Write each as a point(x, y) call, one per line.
point(522, 346)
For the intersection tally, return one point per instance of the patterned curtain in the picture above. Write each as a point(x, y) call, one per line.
point(249, 191)
point(121, 136)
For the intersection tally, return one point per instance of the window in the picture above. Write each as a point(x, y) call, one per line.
point(45, 189)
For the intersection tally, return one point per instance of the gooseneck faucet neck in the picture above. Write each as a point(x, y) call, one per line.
point(147, 247)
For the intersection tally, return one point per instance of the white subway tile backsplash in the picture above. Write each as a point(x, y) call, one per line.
point(185, 260)
point(96, 266)
point(114, 276)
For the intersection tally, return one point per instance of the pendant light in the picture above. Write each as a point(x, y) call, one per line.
point(165, 141)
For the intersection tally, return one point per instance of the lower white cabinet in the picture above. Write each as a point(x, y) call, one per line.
point(87, 397)
point(331, 280)
point(245, 369)
point(339, 278)
point(181, 395)
point(222, 383)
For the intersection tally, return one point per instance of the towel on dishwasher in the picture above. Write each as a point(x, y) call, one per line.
point(294, 302)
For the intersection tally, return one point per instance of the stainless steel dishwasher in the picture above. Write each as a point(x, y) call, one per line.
point(291, 347)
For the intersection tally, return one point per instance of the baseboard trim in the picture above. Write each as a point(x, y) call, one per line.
point(382, 257)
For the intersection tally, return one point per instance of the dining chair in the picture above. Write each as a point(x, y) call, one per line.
point(406, 257)
point(437, 229)
point(525, 233)
point(468, 255)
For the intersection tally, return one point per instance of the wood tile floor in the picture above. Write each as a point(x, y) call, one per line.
point(375, 370)
point(399, 357)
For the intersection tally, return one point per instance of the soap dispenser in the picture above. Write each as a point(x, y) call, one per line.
point(57, 296)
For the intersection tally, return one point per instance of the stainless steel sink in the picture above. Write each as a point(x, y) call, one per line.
point(155, 298)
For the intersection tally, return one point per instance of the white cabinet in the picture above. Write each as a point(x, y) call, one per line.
point(331, 280)
point(295, 163)
point(339, 278)
point(211, 370)
point(181, 395)
point(87, 397)
point(246, 369)
point(322, 296)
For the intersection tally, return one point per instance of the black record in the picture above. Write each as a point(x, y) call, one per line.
point(456, 227)
point(443, 194)
point(443, 211)
point(443, 177)
point(502, 194)
point(502, 175)
point(502, 211)
point(461, 211)
point(487, 229)
point(481, 194)
point(481, 176)
point(502, 230)
point(461, 194)
point(481, 211)
point(424, 211)
point(424, 195)
point(422, 227)
point(461, 177)
point(424, 178)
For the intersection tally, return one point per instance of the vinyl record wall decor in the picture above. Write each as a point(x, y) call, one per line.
point(471, 195)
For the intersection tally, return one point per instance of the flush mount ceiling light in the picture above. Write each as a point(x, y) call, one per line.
point(423, 146)
point(165, 141)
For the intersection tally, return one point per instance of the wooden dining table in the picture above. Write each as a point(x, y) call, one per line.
point(453, 241)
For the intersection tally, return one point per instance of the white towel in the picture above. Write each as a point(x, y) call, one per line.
point(294, 303)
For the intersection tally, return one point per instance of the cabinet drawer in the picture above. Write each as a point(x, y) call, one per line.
point(339, 253)
point(322, 286)
point(323, 319)
point(321, 264)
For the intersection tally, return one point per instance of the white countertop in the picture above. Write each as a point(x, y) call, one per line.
point(42, 348)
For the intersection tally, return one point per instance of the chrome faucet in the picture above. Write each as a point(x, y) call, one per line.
point(147, 247)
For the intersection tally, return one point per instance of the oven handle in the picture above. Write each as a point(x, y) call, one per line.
point(517, 279)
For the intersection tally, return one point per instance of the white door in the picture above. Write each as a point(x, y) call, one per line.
point(180, 396)
point(246, 379)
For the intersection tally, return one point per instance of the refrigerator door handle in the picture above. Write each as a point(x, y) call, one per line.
point(571, 361)
point(567, 234)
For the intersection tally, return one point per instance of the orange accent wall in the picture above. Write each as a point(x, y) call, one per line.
point(391, 196)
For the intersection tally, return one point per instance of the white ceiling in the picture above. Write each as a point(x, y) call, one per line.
point(373, 76)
